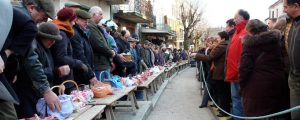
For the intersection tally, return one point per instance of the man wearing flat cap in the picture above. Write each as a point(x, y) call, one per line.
point(36, 82)
point(133, 52)
point(82, 49)
point(73, 5)
point(21, 35)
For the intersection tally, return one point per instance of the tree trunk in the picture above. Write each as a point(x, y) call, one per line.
point(186, 42)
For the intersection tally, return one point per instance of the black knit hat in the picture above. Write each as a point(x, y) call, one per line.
point(49, 31)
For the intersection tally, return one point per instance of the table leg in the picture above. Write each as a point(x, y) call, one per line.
point(108, 113)
point(132, 100)
point(145, 94)
point(152, 88)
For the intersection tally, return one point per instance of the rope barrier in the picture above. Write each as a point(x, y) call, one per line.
point(241, 117)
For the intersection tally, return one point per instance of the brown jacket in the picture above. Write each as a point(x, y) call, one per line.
point(264, 88)
point(217, 56)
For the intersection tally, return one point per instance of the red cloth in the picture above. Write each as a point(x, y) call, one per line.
point(234, 53)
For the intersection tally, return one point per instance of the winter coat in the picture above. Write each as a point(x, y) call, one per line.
point(234, 53)
point(134, 55)
point(293, 52)
point(102, 52)
point(62, 53)
point(263, 85)
point(217, 57)
point(82, 51)
point(34, 78)
point(184, 55)
point(21, 35)
point(122, 48)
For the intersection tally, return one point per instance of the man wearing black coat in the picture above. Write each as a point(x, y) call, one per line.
point(124, 67)
point(18, 43)
point(102, 52)
point(82, 49)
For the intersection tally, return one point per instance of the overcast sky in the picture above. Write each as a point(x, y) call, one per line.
point(218, 11)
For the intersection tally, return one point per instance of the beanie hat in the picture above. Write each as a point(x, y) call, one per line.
point(66, 14)
point(49, 30)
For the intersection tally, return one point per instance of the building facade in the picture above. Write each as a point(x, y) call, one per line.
point(276, 9)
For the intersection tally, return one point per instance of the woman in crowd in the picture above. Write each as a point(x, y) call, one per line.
point(261, 72)
point(62, 50)
point(217, 57)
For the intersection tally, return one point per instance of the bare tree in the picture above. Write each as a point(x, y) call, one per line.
point(190, 15)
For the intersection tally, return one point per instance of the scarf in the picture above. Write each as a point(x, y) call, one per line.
point(65, 26)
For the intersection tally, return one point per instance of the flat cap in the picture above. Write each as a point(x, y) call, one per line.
point(48, 7)
point(83, 14)
point(72, 4)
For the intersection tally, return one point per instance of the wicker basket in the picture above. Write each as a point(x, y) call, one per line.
point(101, 90)
point(128, 58)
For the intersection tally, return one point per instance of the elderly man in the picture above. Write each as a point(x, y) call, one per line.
point(124, 66)
point(233, 60)
point(82, 49)
point(18, 43)
point(292, 8)
point(29, 92)
point(102, 52)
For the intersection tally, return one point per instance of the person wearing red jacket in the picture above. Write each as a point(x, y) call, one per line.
point(233, 60)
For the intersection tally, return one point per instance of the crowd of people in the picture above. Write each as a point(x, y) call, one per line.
point(251, 69)
point(76, 44)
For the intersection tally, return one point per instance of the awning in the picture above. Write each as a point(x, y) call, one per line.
point(132, 17)
point(117, 2)
point(153, 31)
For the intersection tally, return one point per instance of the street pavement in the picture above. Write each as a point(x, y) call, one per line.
point(181, 99)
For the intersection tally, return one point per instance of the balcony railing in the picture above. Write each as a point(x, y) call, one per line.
point(163, 27)
point(142, 7)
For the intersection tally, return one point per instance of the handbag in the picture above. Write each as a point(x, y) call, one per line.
point(67, 106)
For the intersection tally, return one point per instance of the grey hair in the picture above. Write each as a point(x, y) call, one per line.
point(95, 10)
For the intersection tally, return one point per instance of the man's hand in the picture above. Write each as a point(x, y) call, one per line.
point(83, 68)
point(8, 52)
point(52, 100)
point(122, 58)
point(64, 70)
point(2, 65)
point(124, 70)
point(114, 53)
point(93, 81)
point(193, 54)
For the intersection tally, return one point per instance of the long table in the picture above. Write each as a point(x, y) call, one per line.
point(110, 100)
point(151, 82)
point(89, 112)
